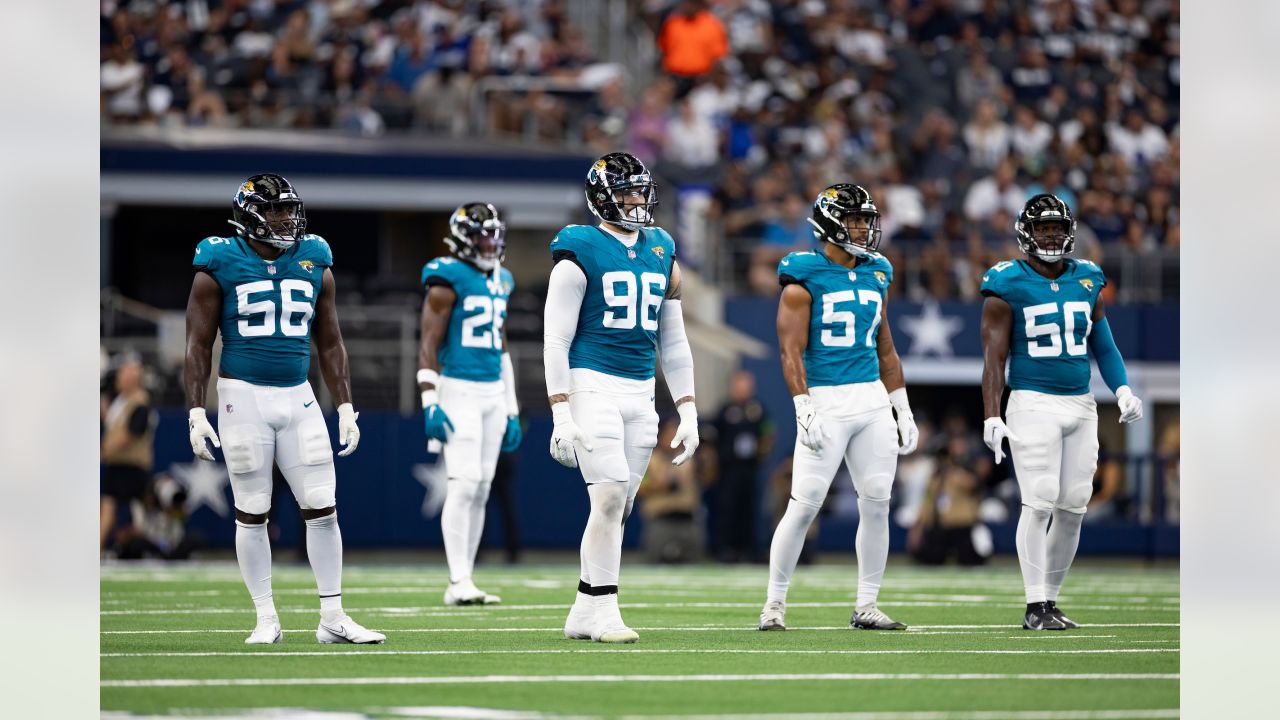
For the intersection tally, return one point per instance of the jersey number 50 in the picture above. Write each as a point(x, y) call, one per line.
point(1057, 336)
point(624, 310)
point(266, 309)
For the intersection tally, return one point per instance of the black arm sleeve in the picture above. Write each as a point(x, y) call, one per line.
point(785, 280)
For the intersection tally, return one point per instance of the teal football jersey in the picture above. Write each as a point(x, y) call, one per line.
point(267, 306)
point(1052, 319)
point(617, 329)
point(472, 346)
point(844, 317)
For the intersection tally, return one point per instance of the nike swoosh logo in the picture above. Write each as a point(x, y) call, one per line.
point(786, 262)
point(308, 404)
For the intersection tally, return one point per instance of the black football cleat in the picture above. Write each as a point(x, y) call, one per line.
point(1067, 622)
point(1039, 617)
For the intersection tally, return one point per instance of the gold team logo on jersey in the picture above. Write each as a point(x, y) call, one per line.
point(659, 251)
point(306, 265)
point(880, 276)
point(1088, 284)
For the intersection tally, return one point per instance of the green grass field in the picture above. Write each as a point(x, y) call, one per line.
point(172, 643)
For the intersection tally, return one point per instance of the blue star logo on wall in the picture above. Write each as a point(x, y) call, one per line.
point(205, 483)
point(931, 331)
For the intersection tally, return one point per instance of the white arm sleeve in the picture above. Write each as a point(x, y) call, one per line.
point(677, 358)
point(565, 292)
point(509, 385)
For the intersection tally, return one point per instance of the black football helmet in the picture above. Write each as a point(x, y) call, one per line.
point(1043, 212)
point(478, 234)
point(606, 184)
point(268, 209)
point(837, 205)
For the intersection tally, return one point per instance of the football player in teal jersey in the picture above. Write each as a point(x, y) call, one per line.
point(846, 380)
point(612, 304)
point(467, 382)
point(267, 289)
point(1045, 315)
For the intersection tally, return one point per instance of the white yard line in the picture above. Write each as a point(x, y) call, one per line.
point(916, 628)
point(631, 605)
point(948, 715)
point(643, 651)
point(548, 679)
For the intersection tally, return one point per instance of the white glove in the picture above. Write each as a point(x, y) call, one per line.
point(565, 435)
point(1130, 404)
point(908, 433)
point(201, 430)
point(994, 432)
point(686, 433)
point(809, 427)
point(348, 433)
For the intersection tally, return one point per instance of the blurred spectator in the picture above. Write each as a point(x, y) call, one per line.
point(987, 135)
point(692, 40)
point(670, 502)
point(647, 124)
point(949, 515)
point(1030, 137)
point(997, 191)
point(785, 229)
point(1108, 500)
point(1137, 140)
point(977, 80)
point(159, 527)
point(744, 437)
point(128, 445)
point(1168, 449)
point(122, 79)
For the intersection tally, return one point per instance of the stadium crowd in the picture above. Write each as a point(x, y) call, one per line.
point(951, 111)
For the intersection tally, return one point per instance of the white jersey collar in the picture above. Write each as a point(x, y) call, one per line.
point(627, 239)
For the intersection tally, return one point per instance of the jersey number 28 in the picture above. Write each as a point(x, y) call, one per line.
point(484, 329)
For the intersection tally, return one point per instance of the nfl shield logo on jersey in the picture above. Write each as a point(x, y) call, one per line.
point(271, 269)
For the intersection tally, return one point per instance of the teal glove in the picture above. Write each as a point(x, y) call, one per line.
point(511, 439)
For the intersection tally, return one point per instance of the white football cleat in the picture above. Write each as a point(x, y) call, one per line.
point(581, 620)
point(609, 627)
point(871, 618)
point(266, 632)
point(465, 592)
point(346, 630)
point(774, 616)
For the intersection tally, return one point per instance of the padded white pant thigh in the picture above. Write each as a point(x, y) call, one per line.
point(248, 446)
point(872, 456)
point(1079, 465)
point(305, 454)
point(601, 418)
point(1037, 456)
point(812, 472)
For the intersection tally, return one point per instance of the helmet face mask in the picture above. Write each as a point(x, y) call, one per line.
point(266, 208)
point(1046, 229)
point(620, 191)
point(846, 216)
point(478, 234)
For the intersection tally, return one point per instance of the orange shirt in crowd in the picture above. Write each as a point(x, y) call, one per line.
point(691, 45)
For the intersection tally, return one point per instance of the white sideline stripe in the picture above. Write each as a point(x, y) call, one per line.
point(474, 712)
point(1071, 636)
point(625, 605)
point(643, 651)
point(950, 715)
point(504, 679)
point(744, 628)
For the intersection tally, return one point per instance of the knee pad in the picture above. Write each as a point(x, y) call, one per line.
point(876, 488)
point(242, 450)
point(1043, 493)
point(804, 508)
point(1076, 499)
point(257, 503)
point(466, 491)
point(313, 442)
point(318, 489)
point(609, 499)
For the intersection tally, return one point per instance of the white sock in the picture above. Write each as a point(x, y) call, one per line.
point(253, 553)
point(602, 541)
point(324, 550)
point(1031, 541)
point(606, 610)
point(479, 502)
point(455, 525)
point(784, 550)
point(872, 544)
point(1064, 537)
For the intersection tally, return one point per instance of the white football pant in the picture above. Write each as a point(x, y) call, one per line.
point(478, 413)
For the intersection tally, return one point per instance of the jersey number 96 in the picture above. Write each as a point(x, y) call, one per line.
point(620, 295)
